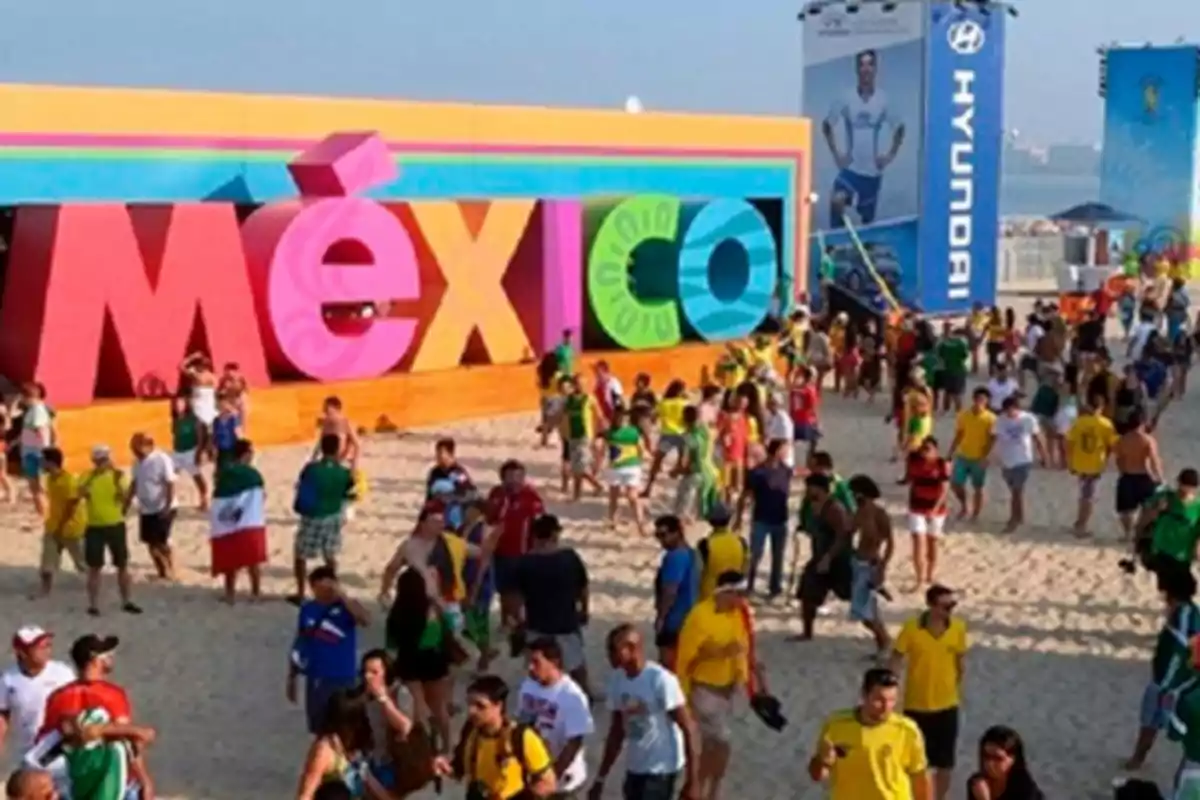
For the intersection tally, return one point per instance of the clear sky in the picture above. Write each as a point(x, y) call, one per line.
point(696, 55)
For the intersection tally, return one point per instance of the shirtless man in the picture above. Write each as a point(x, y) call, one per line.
point(869, 563)
point(1140, 470)
point(828, 570)
point(334, 422)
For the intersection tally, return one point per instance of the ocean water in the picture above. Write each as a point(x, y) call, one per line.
point(1043, 195)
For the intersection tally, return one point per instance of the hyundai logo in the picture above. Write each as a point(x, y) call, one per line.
point(966, 37)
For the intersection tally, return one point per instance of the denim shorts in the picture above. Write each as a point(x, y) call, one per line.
point(31, 465)
point(1016, 477)
point(864, 605)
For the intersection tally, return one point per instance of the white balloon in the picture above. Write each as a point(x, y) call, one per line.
point(633, 104)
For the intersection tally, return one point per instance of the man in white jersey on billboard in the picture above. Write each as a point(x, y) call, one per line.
point(858, 119)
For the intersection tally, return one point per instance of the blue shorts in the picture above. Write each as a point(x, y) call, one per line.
point(1152, 714)
point(967, 470)
point(31, 465)
point(863, 191)
point(806, 433)
point(864, 605)
point(317, 692)
point(1016, 477)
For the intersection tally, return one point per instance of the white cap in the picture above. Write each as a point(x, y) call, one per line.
point(29, 636)
point(101, 452)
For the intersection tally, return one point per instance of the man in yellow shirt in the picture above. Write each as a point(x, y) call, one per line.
point(870, 752)
point(1090, 440)
point(934, 644)
point(721, 551)
point(495, 757)
point(713, 662)
point(103, 491)
point(66, 519)
point(969, 451)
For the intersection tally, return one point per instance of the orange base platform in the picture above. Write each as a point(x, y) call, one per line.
point(288, 413)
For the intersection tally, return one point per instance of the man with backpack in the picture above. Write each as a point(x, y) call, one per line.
point(496, 757)
point(324, 488)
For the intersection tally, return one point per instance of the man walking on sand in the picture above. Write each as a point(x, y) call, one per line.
point(103, 491)
point(858, 746)
point(767, 488)
point(66, 520)
point(830, 528)
point(512, 507)
point(1089, 443)
point(1016, 439)
point(934, 644)
point(969, 453)
point(1139, 470)
point(154, 487)
point(324, 488)
point(869, 563)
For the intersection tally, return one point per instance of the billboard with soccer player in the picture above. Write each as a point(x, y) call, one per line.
point(863, 83)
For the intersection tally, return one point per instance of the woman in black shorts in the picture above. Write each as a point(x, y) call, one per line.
point(419, 635)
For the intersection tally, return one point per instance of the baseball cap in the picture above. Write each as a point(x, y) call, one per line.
point(87, 648)
point(28, 636)
point(101, 452)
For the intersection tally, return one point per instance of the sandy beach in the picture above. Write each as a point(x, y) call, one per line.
point(1060, 637)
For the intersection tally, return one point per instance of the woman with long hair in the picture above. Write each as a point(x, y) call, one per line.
point(419, 636)
point(1003, 773)
point(340, 751)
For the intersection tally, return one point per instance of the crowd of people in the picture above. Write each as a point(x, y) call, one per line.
point(1045, 393)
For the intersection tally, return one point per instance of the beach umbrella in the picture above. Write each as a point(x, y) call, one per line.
point(1096, 215)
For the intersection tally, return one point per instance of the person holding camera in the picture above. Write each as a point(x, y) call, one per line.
point(861, 750)
point(497, 758)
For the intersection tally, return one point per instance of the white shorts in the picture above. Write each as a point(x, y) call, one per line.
point(625, 477)
point(185, 462)
point(926, 525)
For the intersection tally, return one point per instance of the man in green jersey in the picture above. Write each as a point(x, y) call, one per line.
point(819, 463)
point(578, 433)
point(1170, 525)
point(564, 354)
point(696, 470)
point(625, 456)
point(954, 360)
point(1173, 673)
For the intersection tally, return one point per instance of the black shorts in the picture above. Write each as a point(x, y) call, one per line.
point(815, 587)
point(940, 731)
point(649, 787)
point(565, 450)
point(953, 385)
point(101, 538)
point(155, 529)
point(1133, 491)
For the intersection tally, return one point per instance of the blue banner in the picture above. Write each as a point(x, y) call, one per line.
point(960, 196)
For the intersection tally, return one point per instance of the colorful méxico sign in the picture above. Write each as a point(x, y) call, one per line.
point(128, 249)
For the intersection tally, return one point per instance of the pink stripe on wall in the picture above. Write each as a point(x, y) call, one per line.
point(562, 248)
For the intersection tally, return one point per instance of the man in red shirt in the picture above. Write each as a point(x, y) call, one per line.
point(803, 403)
point(93, 658)
point(511, 507)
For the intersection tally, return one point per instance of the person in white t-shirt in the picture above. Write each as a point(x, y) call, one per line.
point(154, 487)
point(37, 433)
point(860, 119)
point(550, 701)
point(1017, 438)
point(1001, 386)
point(780, 427)
point(25, 686)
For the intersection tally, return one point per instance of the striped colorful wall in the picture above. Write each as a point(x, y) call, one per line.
point(66, 146)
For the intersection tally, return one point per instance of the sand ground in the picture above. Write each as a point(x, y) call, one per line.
point(1060, 637)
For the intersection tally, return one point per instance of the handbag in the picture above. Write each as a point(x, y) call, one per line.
point(412, 760)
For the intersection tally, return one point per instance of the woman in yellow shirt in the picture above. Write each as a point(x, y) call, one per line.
point(671, 430)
